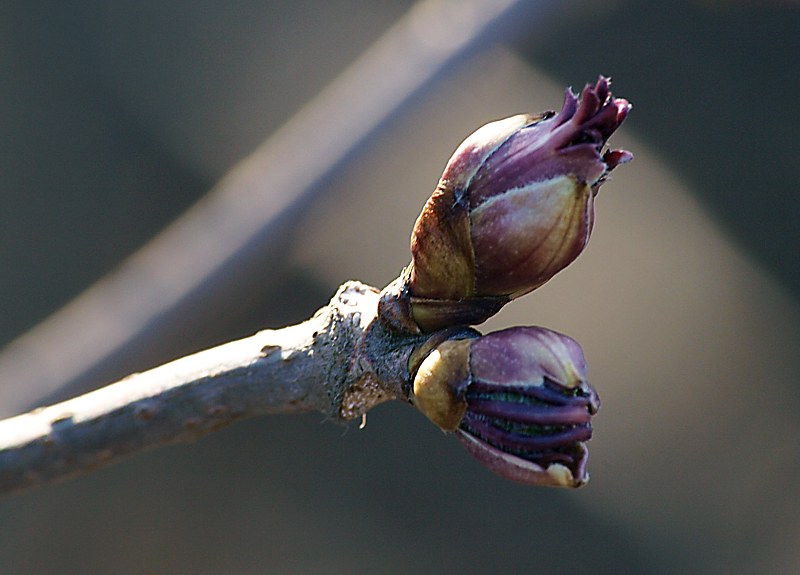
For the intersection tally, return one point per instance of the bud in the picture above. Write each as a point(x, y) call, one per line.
point(517, 399)
point(514, 206)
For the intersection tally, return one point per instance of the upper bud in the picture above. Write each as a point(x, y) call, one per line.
point(518, 400)
point(514, 206)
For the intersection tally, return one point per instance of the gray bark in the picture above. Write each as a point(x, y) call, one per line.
point(341, 362)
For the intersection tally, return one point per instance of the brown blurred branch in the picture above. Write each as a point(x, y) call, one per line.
point(340, 362)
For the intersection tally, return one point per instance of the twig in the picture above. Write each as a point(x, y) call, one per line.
point(340, 362)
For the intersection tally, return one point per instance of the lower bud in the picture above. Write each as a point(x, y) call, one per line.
point(518, 400)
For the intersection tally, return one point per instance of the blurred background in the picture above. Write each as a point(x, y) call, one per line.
point(118, 117)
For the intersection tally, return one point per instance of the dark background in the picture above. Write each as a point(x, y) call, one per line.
point(117, 117)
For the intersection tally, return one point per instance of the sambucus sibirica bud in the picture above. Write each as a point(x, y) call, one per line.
point(514, 206)
point(518, 400)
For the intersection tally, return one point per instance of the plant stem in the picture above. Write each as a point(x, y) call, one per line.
point(325, 364)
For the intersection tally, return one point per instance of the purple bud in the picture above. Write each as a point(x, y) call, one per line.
point(518, 400)
point(515, 204)
point(529, 407)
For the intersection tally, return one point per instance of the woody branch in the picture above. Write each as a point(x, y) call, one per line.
point(326, 364)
